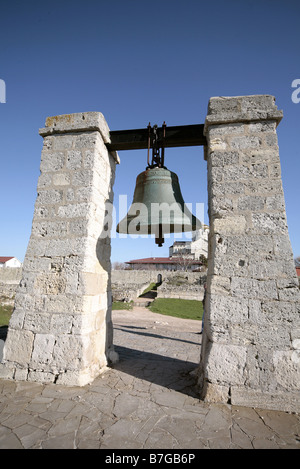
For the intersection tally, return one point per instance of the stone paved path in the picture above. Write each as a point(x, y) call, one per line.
point(147, 400)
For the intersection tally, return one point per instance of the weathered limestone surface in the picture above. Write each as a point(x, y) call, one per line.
point(251, 345)
point(61, 330)
point(10, 277)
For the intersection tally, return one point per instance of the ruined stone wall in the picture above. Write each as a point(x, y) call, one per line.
point(129, 284)
point(10, 278)
point(251, 343)
point(183, 285)
point(133, 276)
point(61, 330)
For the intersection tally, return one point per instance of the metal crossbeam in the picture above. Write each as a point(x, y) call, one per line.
point(176, 136)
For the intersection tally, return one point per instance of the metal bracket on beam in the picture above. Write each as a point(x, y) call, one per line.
point(176, 136)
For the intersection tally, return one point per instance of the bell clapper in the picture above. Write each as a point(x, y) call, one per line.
point(160, 239)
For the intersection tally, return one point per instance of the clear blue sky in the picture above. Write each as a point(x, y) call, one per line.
point(138, 61)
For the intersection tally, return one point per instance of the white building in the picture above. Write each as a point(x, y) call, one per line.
point(10, 262)
point(192, 249)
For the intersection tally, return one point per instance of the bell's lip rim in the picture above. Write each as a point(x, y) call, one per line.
point(167, 228)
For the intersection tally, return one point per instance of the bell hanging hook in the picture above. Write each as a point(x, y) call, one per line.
point(158, 157)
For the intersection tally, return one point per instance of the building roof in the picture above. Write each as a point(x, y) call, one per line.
point(181, 243)
point(298, 271)
point(163, 260)
point(5, 259)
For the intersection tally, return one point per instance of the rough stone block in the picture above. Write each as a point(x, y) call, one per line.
point(18, 346)
point(228, 309)
point(21, 374)
point(264, 126)
point(235, 173)
point(230, 225)
point(43, 348)
point(261, 186)
point(45, 181)
point(52, 161)
point(36, 322)
point(17, 320)
point(81, 121)
point(50, 229)
point(245, 142)
point(74, 159)
point(52, 284)
point(216, 393)
point(275, 170)
point(269, 222)
point(238, 109)
point(259, 171)
point(278, 400)
point(253, 288)
point(68, 352)
point(61, 179)
point(40, 377)
point(82, 178)
point(62, 142)
point(251, 203)
point(278, 312)
point(50, 196)
point(275, 203)
point(7, 371)
point(73, 210)
point(219, 285)
point(226, 365)
point(220, 158)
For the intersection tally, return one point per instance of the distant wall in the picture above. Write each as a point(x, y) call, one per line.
point(183, 285)
point(129, 284)
point(126, 285)
point(133, 276)
point(10, 278)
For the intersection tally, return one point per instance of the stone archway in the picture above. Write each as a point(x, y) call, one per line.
point(61, 330)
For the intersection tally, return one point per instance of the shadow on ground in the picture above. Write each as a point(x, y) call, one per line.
point(150, 334)
point(165, 371)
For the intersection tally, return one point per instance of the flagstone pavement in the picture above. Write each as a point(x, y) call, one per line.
point(148, 400)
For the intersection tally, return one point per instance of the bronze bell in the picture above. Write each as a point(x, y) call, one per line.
point(158, 206)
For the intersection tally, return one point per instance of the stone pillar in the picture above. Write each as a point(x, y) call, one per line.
point(250, 353)
point(61, 330)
